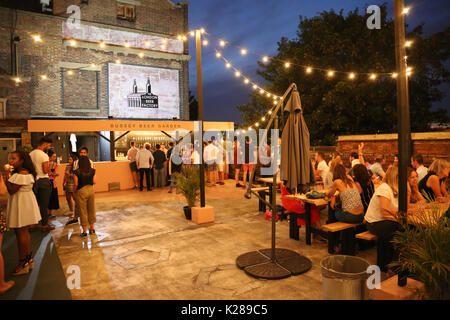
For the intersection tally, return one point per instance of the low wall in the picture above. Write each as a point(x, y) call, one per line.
point(105, 172)
point(431, 145)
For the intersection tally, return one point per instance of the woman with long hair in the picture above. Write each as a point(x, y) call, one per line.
point(433, 185)
point(53, 204)
point(68, 185)
point(381, 215)
point(414, 196)
point(84, 180)
point(23, 209)
point(364, 184)
point(4, 285)
point(352, 208)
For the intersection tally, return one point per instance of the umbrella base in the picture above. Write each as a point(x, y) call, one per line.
point(287, 263)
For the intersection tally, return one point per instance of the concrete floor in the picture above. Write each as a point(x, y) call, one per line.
point(146, 249)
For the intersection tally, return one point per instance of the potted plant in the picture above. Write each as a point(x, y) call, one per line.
point(188, 183)
point(424, 251)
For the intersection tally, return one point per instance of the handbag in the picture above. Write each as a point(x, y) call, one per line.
point(316, 195)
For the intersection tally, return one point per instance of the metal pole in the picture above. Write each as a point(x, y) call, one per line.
point(198, 46)
point(274, 191)
point(404, 135)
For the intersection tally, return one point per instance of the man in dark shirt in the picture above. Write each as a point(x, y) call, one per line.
point(160, 159)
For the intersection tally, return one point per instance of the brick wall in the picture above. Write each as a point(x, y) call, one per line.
point(43, 98)
point(431, 145)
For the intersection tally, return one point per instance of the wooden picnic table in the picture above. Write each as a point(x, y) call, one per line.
point(293, 226)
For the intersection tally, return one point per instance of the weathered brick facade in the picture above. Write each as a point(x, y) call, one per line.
point(431, 145)
point(85, 94)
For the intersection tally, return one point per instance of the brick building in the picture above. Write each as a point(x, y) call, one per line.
point(67, 74)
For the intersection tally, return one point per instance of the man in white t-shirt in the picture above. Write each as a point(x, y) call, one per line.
point(210, 158)
point(322, 167)
point(377, 167)
point(417, 163)
point(131, 156)
point(220, 162)
point(42, 187)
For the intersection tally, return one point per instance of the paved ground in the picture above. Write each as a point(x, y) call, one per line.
point(146, 249)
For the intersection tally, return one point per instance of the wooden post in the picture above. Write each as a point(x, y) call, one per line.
point(198, 46)
point(404, 131)
point(112, 143)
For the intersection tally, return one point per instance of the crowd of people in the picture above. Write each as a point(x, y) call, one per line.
point(368, 193)
point(30, 181)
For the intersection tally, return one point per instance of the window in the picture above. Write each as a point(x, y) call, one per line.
point(126, 11)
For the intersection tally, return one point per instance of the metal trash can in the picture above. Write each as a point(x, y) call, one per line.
point(343, 277)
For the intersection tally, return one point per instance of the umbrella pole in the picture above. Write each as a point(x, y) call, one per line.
point(274, 194)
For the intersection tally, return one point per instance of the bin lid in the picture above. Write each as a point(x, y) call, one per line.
point(344, 267)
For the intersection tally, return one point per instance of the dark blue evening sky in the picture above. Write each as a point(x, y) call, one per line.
point(258, 25)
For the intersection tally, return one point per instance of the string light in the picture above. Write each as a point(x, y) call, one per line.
point(141, 54)
point(222, 43)
point(205, 42)
point(255, 86)
point(164, 41)
point(192, 33)
point(202, 30)
point(163, 46)
point(406, 10)
point(93, 65)
point(147, 43)
point(308, 70)
point(257, 124)
point(275, 102)
point(70, 72)
point(373, 76)
point(261, 91)
point(43, 77)
point(184, 38)
point(228, 65)
point(127, 44)
point(237, 73)
point(270, 112)
point(73, 43)
point(287, 65)
point(268, 95)
point(244, 52)
point(37, 38)
point(330, 73)
point(101, 44)
point(17, 80)
point(246, 81)
point(263, 119)
point(179, 37)
point(408, 44)
point(118, 61)
point(394, 75)
point(218, 54)
point(351, 75)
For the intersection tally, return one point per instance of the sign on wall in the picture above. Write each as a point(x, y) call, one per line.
point(142, 92)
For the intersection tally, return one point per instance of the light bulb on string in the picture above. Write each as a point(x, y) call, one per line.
point(205, 42)
point(406, 10)
point(255, 86)
point(228, 65)
point(118, 61)
point(37, 38)
point(202, 30)
point(70, 72)
point(73, 43)
point(101, 44)
point(263, 119)
point(287, 65)
point(246, 81)
point(270, 112)
point(244, 52)
point(330, 73)
point(93, 65)
point(222, 43)
point(237, 73)
point(408, 44)
point(308, 70)
point(268, 95)
point(184, 38)
point(179, 37)
point(43, 77)
point(192, 33)
point(261, 91)
point(218, 54)
point(394, 75)
point(265, 59)
point(163, 46)
point(373, 76)
point(257, 124)
point(351, 76)
point(141, 54)
point(127, 44)
point(17, 80)
point(275, 102)
point(147, 43)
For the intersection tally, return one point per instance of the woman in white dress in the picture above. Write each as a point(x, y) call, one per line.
point(22, 210)
point(4, 285)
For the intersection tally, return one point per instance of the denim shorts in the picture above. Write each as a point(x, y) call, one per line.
point(344, 216)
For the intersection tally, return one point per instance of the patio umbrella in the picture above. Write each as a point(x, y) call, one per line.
point(296, 169)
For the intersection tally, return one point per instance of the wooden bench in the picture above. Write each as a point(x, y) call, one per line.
point(371, 237)
point(366, 236)
point(347, 235)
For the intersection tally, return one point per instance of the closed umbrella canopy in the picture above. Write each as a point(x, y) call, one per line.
point(296, 169)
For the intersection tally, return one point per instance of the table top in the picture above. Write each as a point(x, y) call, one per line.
point(268, 180)
point(302, 197)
